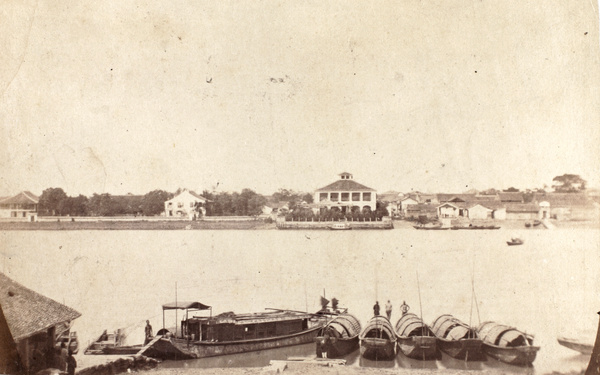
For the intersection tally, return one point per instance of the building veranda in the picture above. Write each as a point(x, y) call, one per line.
point(346, 195)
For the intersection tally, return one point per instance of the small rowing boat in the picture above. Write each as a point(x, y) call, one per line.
point(456, 338)
point(378, 340)
point(415, 338)
point(507, 344)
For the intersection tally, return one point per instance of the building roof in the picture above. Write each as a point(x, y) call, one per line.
point(522, 207)
point(511, 197)
point(193, 194)
point(563, 199)
point(421, 207)
point(28, 312)
point(24, 197)
point(453, 197)
point(389, 196)
point(345, 185)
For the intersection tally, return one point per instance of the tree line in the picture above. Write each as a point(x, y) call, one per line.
point(55, 202)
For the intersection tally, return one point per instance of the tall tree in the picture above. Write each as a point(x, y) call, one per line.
point(568, 183)
point(153, 203)
point(52, 199)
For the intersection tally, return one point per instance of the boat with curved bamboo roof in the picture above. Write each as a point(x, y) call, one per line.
point(338, 337)
point(456, 338)
point(415, 339)
point(378, 339)
point(507, 344)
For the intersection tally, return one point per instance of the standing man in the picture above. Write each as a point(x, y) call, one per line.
point(404, 308)
point(71, 364)
point(148, 332)
point(376, 308)
point(388, 309)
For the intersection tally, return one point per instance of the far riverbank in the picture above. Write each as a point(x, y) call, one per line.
point(66, 223)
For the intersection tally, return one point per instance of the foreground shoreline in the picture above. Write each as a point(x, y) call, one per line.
point(258, 224)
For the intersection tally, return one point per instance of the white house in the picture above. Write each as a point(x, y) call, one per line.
point(346, 194)
point(23, 206)
point(478, 211)
point(184, 205)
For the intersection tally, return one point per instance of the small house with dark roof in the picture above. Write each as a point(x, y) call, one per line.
point(23, 206)
point(33, 321)
point(346, 194)
point(416, 211)
point(184, 205)
point(443, 198)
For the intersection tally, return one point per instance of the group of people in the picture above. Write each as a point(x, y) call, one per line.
point(388, 308)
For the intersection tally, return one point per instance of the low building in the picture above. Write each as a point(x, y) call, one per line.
point(33, 322)
point(391, 199)
point(23, 206)
point(522, 211)
point(420, 210)
point(567, 206)
point(347, 195)
point(185, 205)
point(511, 197)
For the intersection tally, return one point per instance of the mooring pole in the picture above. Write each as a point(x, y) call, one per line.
point(594, 365)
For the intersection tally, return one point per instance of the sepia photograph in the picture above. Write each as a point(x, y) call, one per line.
point(302, 187)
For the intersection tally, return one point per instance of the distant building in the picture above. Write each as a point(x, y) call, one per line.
point(522, 211)
point(347, 195)
point(34, 322)
point(184, 205)
point(512, 197)
point(420, 210)
point(23, 206)
point(566, 206)
point(391, 199)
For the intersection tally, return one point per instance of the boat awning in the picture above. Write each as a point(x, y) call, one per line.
point(185, 305)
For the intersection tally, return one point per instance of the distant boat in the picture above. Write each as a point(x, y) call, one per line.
point(480, 227)
point(581, 346)
point(231, 333)
point(378, 339)
point(515, 242)
point(431, 227)
point(415, 339)
point(340, 226)
point(456, 338)
point(338, 337)
point(111, 343)
point(507, 344)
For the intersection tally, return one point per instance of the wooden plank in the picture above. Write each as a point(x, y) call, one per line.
point(145, 347)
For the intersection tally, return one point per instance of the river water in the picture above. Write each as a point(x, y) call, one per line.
point(550, 286)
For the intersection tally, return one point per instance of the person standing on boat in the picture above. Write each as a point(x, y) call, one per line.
point(404, 308)
point(376, 308)
point(388, 309)
point(148, 332)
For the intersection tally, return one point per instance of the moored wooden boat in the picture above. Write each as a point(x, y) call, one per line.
point(338, 337)
point(378, 339)
point(457, 339)
point(577, 345)
point(507, 344)
point(415, 339)
point(515, 242)
point(230, 333)
point(430, 228)
point(111, 343)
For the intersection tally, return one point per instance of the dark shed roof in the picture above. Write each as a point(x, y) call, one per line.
point(28, 312)
point(23, 197)
point(182, 305)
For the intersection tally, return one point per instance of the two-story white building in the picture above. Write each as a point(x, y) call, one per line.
point(23, 206)
point(184, 205)
point(347, 195)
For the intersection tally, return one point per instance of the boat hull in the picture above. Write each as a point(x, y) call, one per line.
point(576, 345)
point(519, 356)
point(418, 347)
point(336, 348)
point(465, 349)
point(377, 349)
point(171, 348)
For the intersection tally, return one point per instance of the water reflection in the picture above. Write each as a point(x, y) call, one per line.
point(363, 362)
point(492, 363)
point(406, 362)
point(460, 364)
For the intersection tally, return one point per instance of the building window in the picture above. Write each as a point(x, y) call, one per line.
point(366, 196)
point(170, 204)
point(345, 197)
point(334, 197)
point(322, 196)
point(355, 197)
point(180, 204)
point(191, 204)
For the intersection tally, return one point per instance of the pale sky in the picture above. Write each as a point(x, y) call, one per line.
point(438, 96)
